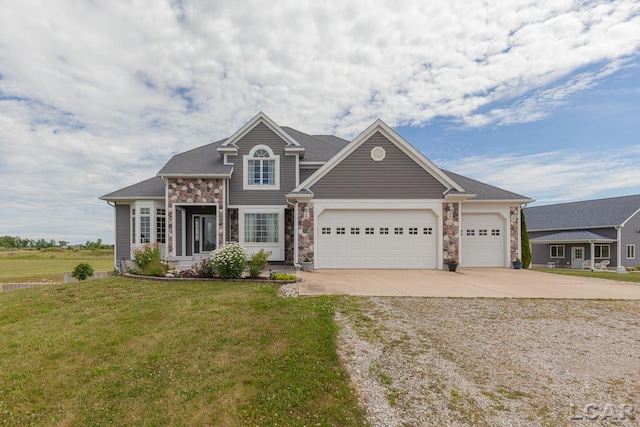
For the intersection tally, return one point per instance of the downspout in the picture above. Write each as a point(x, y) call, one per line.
point(620, 269)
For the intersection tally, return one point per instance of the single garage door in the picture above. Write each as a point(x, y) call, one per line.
point(482, 240)
point(350, 238)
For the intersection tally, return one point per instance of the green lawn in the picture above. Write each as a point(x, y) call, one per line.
point(129, 352)
point(49, 265)
point(608, 275)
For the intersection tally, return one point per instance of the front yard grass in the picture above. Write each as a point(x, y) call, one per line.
point(49, 265)
point(608, 275)
point(132, 352)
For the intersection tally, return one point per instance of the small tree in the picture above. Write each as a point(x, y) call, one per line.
point(526, 248)
point(82, 271)
point(258, 263)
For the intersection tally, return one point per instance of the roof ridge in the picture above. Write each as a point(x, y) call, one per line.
point(586, 201)
point(312, 136)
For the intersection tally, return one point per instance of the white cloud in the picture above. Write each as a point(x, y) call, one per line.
point(556, 176)
point(97, 95)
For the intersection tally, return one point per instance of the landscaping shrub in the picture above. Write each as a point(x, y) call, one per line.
point(258, 263)
point(526, 248)
point(282, 276)
point(205, 269)
point(146, 254)
point(82, 271)
point(229, 261)
point(155, 268)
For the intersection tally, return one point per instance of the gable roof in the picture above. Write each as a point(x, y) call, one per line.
point(256, 120)
point(394, 138)
point(599, 213)
point(484, 191)
point(152, 188)
point(318, 148)
point(202, 161)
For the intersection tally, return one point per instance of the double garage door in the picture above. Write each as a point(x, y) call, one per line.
point(387, 238)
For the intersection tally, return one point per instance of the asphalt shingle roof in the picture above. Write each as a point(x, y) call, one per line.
point(149, 188)
point(203, 160)
point(318, 148)
point(482, 190)
point(571, 236)
point(586, 214)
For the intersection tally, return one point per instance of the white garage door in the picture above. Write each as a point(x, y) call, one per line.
point(349, 238)
point(482, 240)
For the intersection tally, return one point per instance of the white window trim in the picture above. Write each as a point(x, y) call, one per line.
point(245, 169)
point(557, 246)
point(277, 249)
point(633, 249)
point(601, 246)
point(153, 232)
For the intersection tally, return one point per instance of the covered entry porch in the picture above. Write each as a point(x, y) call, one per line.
point(575, 249)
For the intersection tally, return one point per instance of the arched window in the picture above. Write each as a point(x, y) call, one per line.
point(261, 169)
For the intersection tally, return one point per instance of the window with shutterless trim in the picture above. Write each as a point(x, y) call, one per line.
point(631, 251)
point(556, 251)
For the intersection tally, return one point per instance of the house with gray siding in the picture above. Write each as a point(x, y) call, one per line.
point(584, 234)
point(373, 202)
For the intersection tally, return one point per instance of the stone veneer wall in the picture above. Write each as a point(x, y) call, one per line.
point(194, 191)
point(305, 232)
point(450, 232)
point(514, 233)
point(289, 236)
point(232, 219)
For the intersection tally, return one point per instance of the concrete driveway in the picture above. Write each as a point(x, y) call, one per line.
point(466, 282)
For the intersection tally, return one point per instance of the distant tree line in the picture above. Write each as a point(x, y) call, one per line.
point(15, 242)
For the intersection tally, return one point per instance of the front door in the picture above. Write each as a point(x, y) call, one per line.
point(205, 233)
point(577, 256)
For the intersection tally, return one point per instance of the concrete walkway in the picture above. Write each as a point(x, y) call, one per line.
point(466, 282)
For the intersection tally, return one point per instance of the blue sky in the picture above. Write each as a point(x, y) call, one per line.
point(540, 98)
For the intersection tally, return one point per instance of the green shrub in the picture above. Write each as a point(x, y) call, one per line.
point(205, 269)
point(283, 276)
point(146, 254)
point(82, 271)
point(526, 247)
point(155, 268)
point(258, 263)
point(229, 261)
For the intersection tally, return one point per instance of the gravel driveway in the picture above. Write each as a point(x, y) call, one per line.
point(494, 362)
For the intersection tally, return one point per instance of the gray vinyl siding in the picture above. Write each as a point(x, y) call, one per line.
point(261, 135)
point(123, 231)
point(178, 232)
point(306, 173)
point(631, 236)
point(360, 177)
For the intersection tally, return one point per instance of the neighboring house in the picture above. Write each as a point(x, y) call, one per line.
point(374, 202)
point(568, 234)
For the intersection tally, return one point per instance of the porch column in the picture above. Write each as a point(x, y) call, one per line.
point(620, 269)
point(593, 261)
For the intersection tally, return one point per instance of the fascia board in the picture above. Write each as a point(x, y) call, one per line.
point(395, 139)
point(627, 220)
point(195, 175)
point(536, 230)
point(504, 201)
point(131, 199)
point(260, 118)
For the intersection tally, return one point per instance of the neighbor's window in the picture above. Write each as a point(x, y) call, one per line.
point(631, 251)
point(601, 251)
point(261, 227)
point(557, 251)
